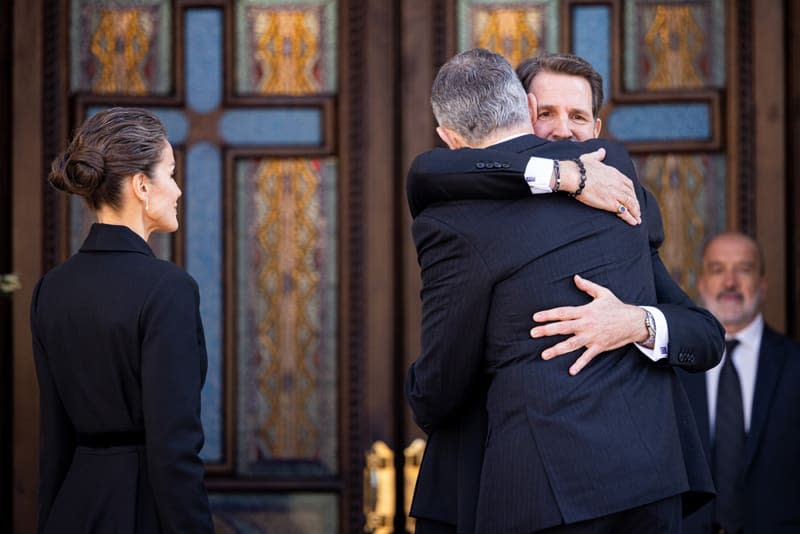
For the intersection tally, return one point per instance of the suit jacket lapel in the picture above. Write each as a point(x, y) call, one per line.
point(771, 358)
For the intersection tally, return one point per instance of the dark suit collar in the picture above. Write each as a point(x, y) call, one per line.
point(771, 357)
point(113, 238)
point(520, 144)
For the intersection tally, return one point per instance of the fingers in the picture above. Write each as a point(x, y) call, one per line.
point(598, 155)
point(565, 313)
point(629, 218)
point(588, 287)
point(566, 346)
point(583, 361)
point(632, 208)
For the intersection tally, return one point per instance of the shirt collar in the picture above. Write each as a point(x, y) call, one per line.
point(750, 335)
point(509, 138)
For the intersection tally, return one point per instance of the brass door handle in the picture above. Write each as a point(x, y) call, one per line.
point(9, 283)
point(379, 489)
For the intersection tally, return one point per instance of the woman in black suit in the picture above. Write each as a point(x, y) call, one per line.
point(119, 347)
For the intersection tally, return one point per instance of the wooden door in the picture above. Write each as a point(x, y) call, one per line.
point(250, 93)
point(6, 367)
point(294, 123)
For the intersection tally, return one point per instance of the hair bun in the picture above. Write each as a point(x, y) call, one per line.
point(79, 171)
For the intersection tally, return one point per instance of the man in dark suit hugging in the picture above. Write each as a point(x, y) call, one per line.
point(597, 451)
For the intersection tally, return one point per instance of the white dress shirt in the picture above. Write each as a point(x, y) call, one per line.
point(745, 360)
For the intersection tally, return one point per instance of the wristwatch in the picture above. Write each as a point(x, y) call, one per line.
point(650, 324)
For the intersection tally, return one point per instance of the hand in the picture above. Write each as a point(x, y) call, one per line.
point(606, 188)
point(604, 324)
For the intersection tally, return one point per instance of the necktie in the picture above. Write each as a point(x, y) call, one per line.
point(729, 446)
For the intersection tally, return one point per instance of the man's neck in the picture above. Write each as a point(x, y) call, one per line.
point(506, 134)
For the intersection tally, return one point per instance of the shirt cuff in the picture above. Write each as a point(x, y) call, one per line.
point(660, 350)
point(538, 172)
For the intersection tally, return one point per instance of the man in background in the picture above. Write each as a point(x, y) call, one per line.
point(747, 407)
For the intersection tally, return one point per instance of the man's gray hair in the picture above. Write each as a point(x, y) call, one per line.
point(477, 93)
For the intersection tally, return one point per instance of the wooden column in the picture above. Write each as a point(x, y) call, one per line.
point(769, 83)
point(27, 183)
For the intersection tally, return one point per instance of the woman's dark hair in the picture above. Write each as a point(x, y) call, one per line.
point(109, 147)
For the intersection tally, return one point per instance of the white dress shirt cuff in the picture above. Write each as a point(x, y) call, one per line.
point(538, 173)
point(660, 350)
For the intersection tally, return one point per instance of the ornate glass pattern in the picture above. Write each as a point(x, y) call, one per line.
point(691, 192)
point(121, 47)
point(517, 30)
point(286, 316)
point(674, 45)
point(298, 513)
point(285, 49)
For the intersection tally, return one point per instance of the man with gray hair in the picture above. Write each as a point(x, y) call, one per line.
point(589, 452)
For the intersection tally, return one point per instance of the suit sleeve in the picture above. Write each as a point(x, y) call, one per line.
point(57, 435)
point(696, 338)
point(173, 371)
point(441, 174)
point(456, 291)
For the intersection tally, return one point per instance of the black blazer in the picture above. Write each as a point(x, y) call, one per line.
point(446, 488)
point(772, 479)
point(119, 347)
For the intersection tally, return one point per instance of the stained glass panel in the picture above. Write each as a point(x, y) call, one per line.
point(286, 316)
point(285, 48)
point(691, 191)
point(517, 30)
point(674, 44)
point(121, 46)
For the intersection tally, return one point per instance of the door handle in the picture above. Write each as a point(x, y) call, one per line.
point(413, 457)
point(379, 489)
point(9, 283)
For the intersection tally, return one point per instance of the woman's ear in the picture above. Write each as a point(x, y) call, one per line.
point(140, 186)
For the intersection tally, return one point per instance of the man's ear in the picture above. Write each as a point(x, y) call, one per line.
point(451, 138)
point(598, 125)
point(533, 108)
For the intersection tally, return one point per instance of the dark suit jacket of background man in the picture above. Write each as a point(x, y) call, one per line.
point(447, 484)
point(772, 478)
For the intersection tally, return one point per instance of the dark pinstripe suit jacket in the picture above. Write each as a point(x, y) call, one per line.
point(558, 448)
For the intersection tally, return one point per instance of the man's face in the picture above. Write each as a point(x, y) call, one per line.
point(731, 285)
point(564, 107)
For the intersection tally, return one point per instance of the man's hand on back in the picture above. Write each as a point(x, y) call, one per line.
point(604, 324)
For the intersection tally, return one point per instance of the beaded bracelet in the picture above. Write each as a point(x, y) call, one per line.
point(582, 183)
point(558, 176)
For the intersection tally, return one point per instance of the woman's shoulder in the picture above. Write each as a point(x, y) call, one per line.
point(168, 272)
